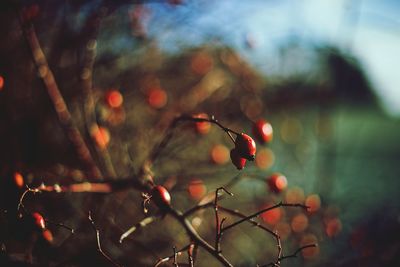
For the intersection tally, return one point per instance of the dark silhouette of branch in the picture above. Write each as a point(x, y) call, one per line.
point(170, 130)
point(64, 116)
point(196, 238)
point(294, 255)
point(60, 225)
point(173, 256)
point(98, 242)
point(280, 204)
point(218, 223)
point(143, 223)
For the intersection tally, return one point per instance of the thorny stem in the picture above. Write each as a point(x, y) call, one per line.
point(98, 241)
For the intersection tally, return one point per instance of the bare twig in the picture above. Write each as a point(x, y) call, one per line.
point(280, 204)
point(209, 199)
point(241, 215)
point(60, 225)
point(141, 224)
point(98, 241)
point(190, 254)
point(21, 199)
point(196, 238)
point(175, 257)
point(64, 116)
point(169, 133)
point(294, 255)
point(86, 77)
point(218, 224)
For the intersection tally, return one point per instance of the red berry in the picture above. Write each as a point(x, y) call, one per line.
point(47, 235)
point(245, 146)
point(161, 197)
point(114, 99)
point(39, 221)
point(237, 160)
point(277, 182)
point(262, 130)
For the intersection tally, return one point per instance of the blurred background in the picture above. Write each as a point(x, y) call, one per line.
point(323, 73)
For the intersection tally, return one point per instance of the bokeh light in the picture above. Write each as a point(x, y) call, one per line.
point(333, 227)
point(313, 202)
point(202, 127)
point(201, 63)
point(312, 252)
point(265, 158)
point(100, 135)
point(157, 98)
point(299, 223)
point(219, 154)
point(273, 216)
point(197, 189)
point(114, 98)
point(1, 82)
point(295, 195)
point(277, 182)
point(19, 180)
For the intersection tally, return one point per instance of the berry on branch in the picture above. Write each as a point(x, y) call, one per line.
point(245, 146)
point(39, 221)
point(237, 160)
point(161, 197)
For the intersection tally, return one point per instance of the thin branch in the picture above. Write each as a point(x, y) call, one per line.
point(169, 133)
point(190, 254)
point(98, 241)
point(173, 256)
point(104, 187)
point(294, 255)
point(280, 204)
point(21, 199)
point(197, 239)
point(60, 225)
point(241, 215)
point(86, 78)
point(218, 224)
point(143, 223)
point(64, 116)
point(208, 200)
